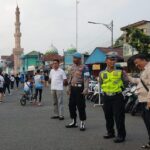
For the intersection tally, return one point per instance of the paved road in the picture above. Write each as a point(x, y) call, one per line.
point(30, 128)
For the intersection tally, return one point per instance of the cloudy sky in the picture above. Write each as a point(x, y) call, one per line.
point(54, 21)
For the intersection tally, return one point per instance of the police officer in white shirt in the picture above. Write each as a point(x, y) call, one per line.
point(57, 79)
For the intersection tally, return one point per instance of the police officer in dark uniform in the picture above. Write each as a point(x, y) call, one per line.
point(112, 83)
point(78, 87)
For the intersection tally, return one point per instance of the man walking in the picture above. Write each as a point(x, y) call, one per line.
point(78, 87)
point(112, 82)
point(57, 79)
point(1, 86)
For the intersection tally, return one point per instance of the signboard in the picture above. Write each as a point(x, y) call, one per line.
point(96, 67)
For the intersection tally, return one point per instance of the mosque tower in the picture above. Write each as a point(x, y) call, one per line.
point(17, 51)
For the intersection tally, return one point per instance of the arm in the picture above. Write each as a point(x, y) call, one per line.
point(133, 80)
point(86, 75)
point(65, 82)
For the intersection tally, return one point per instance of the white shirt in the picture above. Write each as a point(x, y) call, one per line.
point(1, 81)
point(12, 78)
point(27, 86)
point(57, 77)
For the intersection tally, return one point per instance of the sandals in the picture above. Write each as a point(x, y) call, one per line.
point(147, 146)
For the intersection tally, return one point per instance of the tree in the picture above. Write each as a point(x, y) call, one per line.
point(137, 39)
point(119, 42)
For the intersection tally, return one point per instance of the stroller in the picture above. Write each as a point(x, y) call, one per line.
point(27, 95)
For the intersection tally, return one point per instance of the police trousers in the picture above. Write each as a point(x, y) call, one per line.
point(114, 111)
point(77, 101)
point(146, 118)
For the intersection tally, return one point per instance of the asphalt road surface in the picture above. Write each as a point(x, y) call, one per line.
point(30, 128)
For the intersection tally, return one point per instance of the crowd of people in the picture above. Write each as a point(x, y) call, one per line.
point(112, 83)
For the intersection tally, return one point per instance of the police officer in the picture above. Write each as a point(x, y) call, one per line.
point(78, 87)
point(112, 83)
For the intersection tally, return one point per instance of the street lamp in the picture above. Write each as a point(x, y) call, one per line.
point(77, 2)
point(108, 26)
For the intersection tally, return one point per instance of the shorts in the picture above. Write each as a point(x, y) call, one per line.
point(1, 90)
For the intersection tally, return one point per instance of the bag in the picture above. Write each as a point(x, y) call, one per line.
point(144, 85)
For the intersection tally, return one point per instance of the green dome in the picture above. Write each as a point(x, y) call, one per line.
point(52, 50)
point(72, 49)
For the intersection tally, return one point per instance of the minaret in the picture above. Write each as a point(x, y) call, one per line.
point(17, 51)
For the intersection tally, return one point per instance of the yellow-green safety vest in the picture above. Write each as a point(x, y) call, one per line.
point(111, 81)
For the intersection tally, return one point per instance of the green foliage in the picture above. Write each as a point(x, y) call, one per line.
point(119, 42)
point(137, 39)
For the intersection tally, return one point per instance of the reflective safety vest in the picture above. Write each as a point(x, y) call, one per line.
point(111, 81)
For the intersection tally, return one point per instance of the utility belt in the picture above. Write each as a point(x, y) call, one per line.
point(77, 85)
point(111, 94)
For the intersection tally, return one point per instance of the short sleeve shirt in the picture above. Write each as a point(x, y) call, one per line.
point(37, 79)
point(57, 77)
point(79, 73)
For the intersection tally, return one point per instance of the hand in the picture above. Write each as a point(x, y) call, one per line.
point(85, 91)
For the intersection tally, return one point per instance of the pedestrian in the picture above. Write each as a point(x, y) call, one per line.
point(57, 79)
point(1, 87)
point(112, 82)
point(7, 84)
point(39, 80)
point(143, 90)
point(12, 79)
point(17, 79)
point(78, 87)
point(46, 78)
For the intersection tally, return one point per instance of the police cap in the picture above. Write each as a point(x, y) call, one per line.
point(112, 55)
point(77, 55)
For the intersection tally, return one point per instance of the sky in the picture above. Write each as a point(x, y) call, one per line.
point(46, 22)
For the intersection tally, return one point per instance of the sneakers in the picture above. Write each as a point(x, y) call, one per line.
point(73, 124)
point(39, 104)
point(55, 117)
point(147, 146)
point(61, 118)
point(82, 126)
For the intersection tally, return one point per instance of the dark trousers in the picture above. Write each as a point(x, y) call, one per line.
point(17, 84)
point(38, 92)
point(77, 101)
point(12, 84)
point(114, 110)
point(146, 118)
point(6, 86)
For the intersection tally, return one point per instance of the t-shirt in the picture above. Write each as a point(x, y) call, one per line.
point(37, 79)
point(1, 81)
point(12, 79)
point(27, 86)
point(57, 77)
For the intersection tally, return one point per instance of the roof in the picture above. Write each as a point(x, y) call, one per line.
point(51, 57)
point(8, 58)
point(33, 53)
point(136, 24)
point(108, 49)
point(99, 55)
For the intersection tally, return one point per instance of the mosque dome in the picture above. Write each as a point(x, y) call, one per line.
point(52, 50)
point(72, 49)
